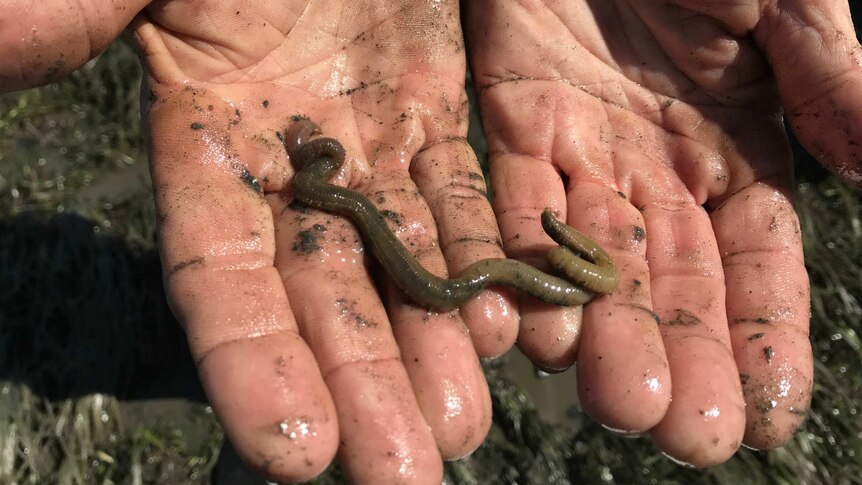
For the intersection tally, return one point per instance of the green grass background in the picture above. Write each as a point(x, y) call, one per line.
point(96, 385)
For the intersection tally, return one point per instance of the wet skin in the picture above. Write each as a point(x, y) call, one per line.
point(656, 127)
point(587, 266)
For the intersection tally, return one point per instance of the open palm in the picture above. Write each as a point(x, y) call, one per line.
point(657, 128)
point(295, 348)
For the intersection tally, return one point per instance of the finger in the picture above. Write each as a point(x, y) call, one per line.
point(216, 241)
point(706, 419)
point(384, 437)
point(623, 375)
point(523, 176)
point(436, 348)
point(768, 308)
point(450, 180)
point(383, 434)
point(817, 62)
point(523, 187)
point(41, 43)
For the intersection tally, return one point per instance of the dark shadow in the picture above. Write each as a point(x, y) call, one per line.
point(83, 312)
point(806, 167)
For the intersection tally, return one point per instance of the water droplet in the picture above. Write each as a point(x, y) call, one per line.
point(295, 429)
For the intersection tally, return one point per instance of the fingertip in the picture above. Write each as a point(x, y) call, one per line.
point(549, 335)
point(493, 320)
point(270, 397)
point(626, 389)
point(709, 451)
point(446, 378)
point(466, 418)
point(384, 437)
point(467, 434)
point(767, 433)
point(457, 407)
point(777, 375)
point(770, 427)
point(705, 422)
point(631, 408)
point(399, 469)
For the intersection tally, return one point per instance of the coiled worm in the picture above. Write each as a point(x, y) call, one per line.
point(585, 268)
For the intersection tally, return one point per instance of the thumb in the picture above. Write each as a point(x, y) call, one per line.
point(817, 62)
point(40, 42)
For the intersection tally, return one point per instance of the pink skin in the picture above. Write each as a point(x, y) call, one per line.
point(402, 399)
point(666, 125)
point(650, 110)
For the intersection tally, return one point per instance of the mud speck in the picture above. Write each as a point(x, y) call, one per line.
point(199, 261)
point(759, 320)
point(348, 309)
point(392, 216)
point(306, 243)
point(683, 318)
point(249, 180)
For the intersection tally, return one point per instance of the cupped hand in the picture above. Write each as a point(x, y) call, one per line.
point(299, 352)
point(656, 128)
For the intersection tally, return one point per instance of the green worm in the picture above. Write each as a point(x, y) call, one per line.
point(585, 267)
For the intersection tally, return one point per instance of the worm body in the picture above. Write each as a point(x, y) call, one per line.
point(586, 268)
